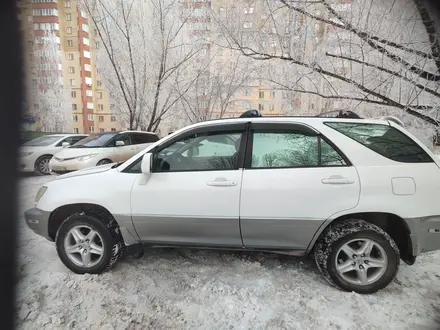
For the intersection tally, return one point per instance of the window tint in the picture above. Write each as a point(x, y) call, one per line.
point(200, 153)
point(329, 156)
point(143, 138)
point(284, 150)
point(385, 140)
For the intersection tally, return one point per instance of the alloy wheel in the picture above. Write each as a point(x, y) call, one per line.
point(361, 261)
point(84, 246)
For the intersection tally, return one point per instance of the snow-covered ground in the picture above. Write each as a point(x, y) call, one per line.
point(182, 289)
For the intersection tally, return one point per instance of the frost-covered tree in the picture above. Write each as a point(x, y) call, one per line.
point(375, 55)
point(48, 94)
point(142, 56)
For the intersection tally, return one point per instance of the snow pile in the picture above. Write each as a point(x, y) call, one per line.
point(182, 289)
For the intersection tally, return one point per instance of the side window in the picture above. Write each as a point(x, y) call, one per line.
point(123, 137)
point(329, 156)
point(200, 152)
point(143, 138)
point(290, 149)
point(70, 140)
point(384, 140)
point(76, 139)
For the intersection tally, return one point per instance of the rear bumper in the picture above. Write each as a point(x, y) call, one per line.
point(425, 234)
point(38, 221)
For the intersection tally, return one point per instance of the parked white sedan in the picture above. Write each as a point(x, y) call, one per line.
point(100, 149)
point(36, 154)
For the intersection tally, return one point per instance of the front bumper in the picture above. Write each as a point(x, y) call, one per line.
point(425, 234)
point(26, 164)
point(38, 221)
point(70, 165)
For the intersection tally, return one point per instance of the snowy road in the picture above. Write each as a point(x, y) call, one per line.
point(181, 289)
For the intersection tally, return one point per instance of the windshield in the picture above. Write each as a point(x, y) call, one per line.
point(94, 141)
point(42, 141)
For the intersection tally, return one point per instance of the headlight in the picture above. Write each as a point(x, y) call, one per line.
point(85, 157)
point(40, 193)
point(23, 154)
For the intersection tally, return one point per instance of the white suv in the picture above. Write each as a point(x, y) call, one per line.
point(358, 194)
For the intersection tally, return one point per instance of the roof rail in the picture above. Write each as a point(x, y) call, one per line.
point(393, 119)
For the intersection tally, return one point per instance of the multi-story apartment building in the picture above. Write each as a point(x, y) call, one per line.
point(63, 25)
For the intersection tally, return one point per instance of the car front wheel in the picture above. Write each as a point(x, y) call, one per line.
point(86, 245)
point(42, 165)
point(358, 256)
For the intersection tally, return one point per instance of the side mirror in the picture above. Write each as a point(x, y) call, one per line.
point(146, 163)
point(119, 143)
point(65, 144)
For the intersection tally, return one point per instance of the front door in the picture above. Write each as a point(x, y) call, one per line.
point(124, 152)
point(192, 195)
point(294, 180)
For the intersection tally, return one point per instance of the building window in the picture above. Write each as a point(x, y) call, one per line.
point(83, 14)
point(87, 67)
point(91, 129)
point(90, 117)
point(86, 41)
point(261, 95)
point(45, 12)
point(71, 69)
point(261, 107)
point(68, 17)
point(112, 118)
point(85, 27)
point(70, 56)
point(99, 95)
point(99, 83)
point(112, 107)
point(271, 107)
point(113, 129)
point(76, 130)
point(89, 92)
point(67, 3)
point(69, 43)
point(101, 118)
point(100, 107)
point(86, 54)
point(75, 117)
point(249, 10)
point(73, 94)
point(101, 130)
point(74, 107)
point(89, 105)
point(89, 81)
point(72, 82)
point(272, 95)
point(246, 105)
point(97, 44)
point(69, 30)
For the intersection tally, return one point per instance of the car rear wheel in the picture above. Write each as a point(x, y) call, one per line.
point(86, 245)
point(358, 256)
point(42, 165)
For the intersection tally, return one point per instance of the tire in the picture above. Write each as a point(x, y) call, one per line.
point(103, 162)
point(376, 269)
point(42, 165)
point(107, 238)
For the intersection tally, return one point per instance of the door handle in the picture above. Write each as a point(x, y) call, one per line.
point(221, 182)
point(337, 179)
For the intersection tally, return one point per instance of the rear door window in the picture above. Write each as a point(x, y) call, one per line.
point(384, 140)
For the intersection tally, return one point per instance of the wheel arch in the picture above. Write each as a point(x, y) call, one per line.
point(39, 157)
point(392, 224)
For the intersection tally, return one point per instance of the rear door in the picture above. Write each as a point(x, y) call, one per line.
point(124, 152)
point(294, 179)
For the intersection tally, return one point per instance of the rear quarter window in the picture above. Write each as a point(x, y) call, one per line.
point(140, 138)
point(384, 140)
